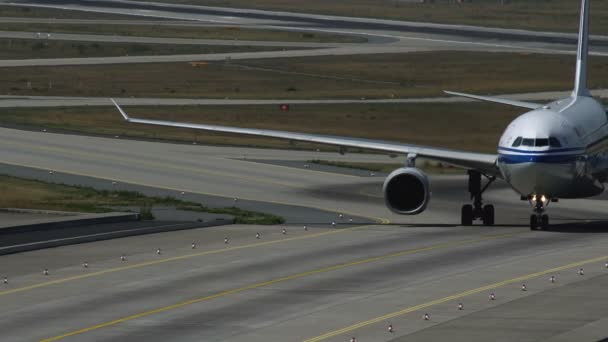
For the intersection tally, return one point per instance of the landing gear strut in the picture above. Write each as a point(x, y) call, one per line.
point(539, 220)
point(477, 210)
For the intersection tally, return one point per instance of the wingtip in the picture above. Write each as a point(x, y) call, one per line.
point(122, 112)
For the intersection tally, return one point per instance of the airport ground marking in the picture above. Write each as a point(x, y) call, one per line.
point(292, 168)
point(176, 258)
point(379, 220)
point(281, 280)
point(411, 309)
point(155, 164)
point(201, 170)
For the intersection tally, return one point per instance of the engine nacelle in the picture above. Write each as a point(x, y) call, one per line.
point(407, 191)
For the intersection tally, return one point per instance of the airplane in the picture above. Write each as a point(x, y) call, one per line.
point(555, 151)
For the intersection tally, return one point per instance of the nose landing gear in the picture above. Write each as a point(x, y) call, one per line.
point(539, 220)
point(477, 210)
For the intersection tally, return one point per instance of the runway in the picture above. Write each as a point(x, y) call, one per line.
point(318, 285)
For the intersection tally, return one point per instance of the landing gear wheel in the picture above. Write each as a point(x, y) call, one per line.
point(488, 215)
point(533, 222)
point(466, 215)
point(544, 221)
point(477, 210)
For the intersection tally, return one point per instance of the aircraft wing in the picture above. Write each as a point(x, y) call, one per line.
point(485, 163)
point(515, 103)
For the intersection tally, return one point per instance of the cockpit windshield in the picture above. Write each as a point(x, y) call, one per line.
point(538, 142)
point(554, 142)
point(527, 142)
point(517, 142)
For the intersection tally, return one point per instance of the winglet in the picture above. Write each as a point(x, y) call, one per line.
point(124, 114)
point(580, 82)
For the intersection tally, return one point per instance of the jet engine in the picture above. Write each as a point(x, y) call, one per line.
point(406, 191)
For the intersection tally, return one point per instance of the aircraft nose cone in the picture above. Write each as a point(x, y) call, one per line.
point(523, 177)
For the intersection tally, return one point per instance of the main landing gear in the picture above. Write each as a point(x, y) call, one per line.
point(477, 210)
point(539, 220)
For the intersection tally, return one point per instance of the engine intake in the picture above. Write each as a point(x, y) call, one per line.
point(407, 191)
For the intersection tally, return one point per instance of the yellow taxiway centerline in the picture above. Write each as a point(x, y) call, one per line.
point(449, 298)
point(177, 258)
point(279, 280)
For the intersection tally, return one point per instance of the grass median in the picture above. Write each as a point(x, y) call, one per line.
point(34, 194)
point(11, 48)
point(370, 76)
point(185, 31)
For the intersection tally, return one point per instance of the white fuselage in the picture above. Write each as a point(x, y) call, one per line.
point(557, 151)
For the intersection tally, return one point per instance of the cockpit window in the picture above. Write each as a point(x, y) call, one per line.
point(539, 142)
point(527, 142)
point(554, 142)
point(517, 142)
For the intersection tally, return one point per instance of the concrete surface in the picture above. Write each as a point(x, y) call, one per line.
point(305, 284)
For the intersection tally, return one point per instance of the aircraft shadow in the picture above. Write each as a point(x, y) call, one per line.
point(447, 225)
point(571, 226)
point(586, 226)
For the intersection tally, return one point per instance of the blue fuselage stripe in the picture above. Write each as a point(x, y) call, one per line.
point(559, 150)
point(509, 155)
point(535, 158)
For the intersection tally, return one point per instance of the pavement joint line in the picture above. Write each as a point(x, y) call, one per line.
point(379, 220)
point(450, 298)
point(153, 164)
point(291, 168)
point(176, 258)
point(280, 280)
